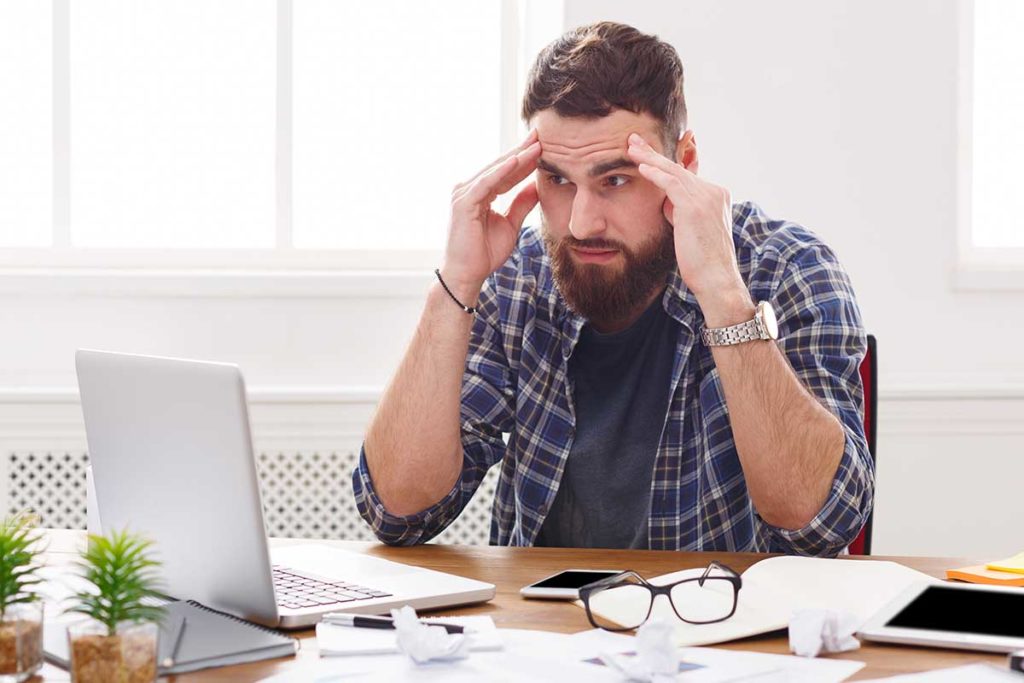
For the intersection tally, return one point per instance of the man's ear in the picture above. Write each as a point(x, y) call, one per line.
point(686, 152)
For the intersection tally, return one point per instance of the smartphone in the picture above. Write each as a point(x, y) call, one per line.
point(565, 585)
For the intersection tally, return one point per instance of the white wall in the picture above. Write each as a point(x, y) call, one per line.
point(839, 115)
point(843, 116)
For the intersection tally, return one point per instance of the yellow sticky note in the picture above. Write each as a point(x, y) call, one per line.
point(1013, 564)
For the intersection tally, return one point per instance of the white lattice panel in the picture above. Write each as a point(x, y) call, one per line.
point(305, 495)
point(309, 495)
point(50, 484)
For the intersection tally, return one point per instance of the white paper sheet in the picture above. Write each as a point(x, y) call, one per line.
point(731, 665)
point(543, 657)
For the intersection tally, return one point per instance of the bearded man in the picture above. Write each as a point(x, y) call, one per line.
point(655, 367)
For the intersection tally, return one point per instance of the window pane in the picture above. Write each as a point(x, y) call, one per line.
point(26, 123)
point(173, 123)
point(394, 102)
point(998, 132)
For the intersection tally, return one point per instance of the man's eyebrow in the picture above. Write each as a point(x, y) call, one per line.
point(595, 171)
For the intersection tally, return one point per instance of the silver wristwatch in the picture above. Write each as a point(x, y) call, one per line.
point(763, 326)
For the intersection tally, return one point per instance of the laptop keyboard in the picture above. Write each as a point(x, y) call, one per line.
point(295, 589)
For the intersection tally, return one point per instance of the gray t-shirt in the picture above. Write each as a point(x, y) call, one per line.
point(620, 389)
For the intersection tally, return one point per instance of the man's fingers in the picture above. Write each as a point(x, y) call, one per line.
point(640, 151)
point(461, 191)
point(504, 177)
point(530, 139)
point(526, 164)
point(522, 205)
point(668, 182)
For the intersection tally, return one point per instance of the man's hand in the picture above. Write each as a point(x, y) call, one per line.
point(479, 238)
point(701, 214)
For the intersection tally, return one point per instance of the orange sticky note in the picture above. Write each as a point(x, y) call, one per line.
point(982, 574)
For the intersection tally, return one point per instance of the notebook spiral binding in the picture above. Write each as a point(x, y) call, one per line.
point(258, 627)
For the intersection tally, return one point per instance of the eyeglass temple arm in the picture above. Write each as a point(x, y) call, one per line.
point(611, 580)
point(712, 565)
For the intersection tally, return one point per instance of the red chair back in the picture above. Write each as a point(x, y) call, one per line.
point(869, 376)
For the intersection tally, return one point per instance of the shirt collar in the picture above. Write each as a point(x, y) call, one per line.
point(680, 303)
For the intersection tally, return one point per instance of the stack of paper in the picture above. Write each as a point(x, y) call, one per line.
point(982, 574)
point(1008, 572)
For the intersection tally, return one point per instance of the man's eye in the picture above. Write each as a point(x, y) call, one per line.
point(621, 178)
point(556, 179)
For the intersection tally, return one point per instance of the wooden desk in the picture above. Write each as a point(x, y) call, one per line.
point(511, 568)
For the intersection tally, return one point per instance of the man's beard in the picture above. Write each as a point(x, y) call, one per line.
point(610, 293)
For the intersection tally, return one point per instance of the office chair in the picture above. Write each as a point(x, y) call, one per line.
point(869, 376)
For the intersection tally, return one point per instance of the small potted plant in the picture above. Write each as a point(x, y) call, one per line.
point(21, 611)
point(119, 641)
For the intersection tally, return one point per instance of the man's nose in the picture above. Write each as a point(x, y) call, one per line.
point(586, 220)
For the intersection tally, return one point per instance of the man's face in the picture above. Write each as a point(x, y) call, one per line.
point(610, 244)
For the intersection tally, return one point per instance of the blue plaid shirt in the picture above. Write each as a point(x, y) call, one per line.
point(516, 382)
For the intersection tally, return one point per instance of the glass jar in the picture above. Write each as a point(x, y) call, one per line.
point(129, 656)
point(21, 641)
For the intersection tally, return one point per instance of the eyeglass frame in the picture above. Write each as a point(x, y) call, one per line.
point(609, 582)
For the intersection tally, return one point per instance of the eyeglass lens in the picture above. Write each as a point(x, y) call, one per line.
point(627, 605)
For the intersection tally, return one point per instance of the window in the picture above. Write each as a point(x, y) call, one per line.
point(990, 253)
point(26, 150)
point(998, 136)
point(172, 124)
point(379, 142)
point(264, 133)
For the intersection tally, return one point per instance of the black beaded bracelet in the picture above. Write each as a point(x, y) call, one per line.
point(467, 309)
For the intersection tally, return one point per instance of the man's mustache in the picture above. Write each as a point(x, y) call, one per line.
point(593, 243)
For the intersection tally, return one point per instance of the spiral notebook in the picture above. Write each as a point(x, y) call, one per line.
point(193, 637)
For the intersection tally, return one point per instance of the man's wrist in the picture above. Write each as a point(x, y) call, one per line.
point(727, 307)
point(466, 290)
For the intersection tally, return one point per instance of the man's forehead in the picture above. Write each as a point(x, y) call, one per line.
point(588, 142)
point(582, 135)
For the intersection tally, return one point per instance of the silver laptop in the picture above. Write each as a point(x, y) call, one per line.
point(172, 459)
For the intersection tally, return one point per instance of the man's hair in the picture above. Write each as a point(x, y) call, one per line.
point(591, 70)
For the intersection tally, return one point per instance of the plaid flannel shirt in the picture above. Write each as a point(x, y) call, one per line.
point(516, 383)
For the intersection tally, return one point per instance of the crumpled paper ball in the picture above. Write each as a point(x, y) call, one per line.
point(656, 660)
point(813, 631)
point(425, 643)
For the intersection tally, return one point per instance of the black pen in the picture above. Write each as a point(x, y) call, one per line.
point(367, 621)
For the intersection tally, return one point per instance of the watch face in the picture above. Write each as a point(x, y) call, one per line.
point(771, 324)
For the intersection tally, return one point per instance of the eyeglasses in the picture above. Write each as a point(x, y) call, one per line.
point(623, 602)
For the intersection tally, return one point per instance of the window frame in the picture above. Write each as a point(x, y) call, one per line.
point(281, 270)
point(976, 268)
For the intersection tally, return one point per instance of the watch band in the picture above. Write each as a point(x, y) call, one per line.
point(751, 330)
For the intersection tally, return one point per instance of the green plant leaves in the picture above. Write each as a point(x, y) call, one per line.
point(125, 577)
point(19, 551)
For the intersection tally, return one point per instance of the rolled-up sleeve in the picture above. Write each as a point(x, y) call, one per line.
point(822, 336)
point(486, 411)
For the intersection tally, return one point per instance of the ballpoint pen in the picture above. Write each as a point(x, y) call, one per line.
point(367, 621)
point(168, 661)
